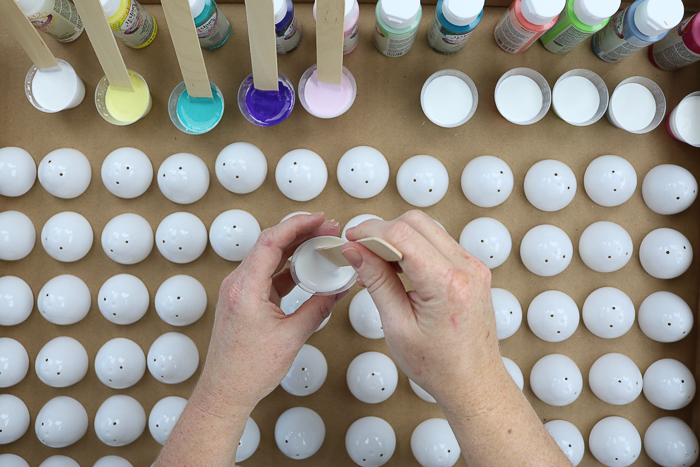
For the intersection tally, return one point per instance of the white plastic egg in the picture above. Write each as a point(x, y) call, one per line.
point(120, 363)
point(568, 438)
point(17, 171)
point(550, 185)
point(16, 301)
point(553, 316)
point(556, 380)
point(515, 372)
point(670, 442)
point(364, 316)
point(546, 250)
point(370, 441)
point(14, 362)
point(181, 300)
point(608, 313)
point(12, 460)
point(123, 299)
point(372, 377)
point(173, 358)
point(17, 236)
point(422, 393)
point(64, 300)
point(233, 234)
point(605, 247)
point(292, 214)
point(299, 433)
point(669, 384)
point(62, 421)
point(615, 442)
point(249, 442)
point(59, 461)
point(112, 461)
point(61, 362)
point(509, 313)
point(355, 221)
point(241, 168)
point(487, 181)
point(665, 317)
point(65, 173)
point(181, 237)
point(127, 172)
point(665, 253)
point(295, 299)
point(614, 378)
point(127, 239)
point(183, 178)
point(488, 240)
point(301, 175)
point(422, 181)
point(14, 418)
point(669, 189)
point(308, 372)
point(610, 181)
point(363, 172)
point(434, 444)
point(67, 237)
point(163, 417)
point(119, 421)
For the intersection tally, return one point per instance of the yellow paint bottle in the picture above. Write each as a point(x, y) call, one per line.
point(130, 22)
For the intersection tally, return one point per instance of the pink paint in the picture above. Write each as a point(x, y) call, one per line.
point(680, 47)
point(325, 100)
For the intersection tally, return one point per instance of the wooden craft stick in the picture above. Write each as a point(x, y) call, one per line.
point(189, 54)
point(28, 37)
point(104, 43)
point(263, 48)
point(379, 247)
point(330, 18)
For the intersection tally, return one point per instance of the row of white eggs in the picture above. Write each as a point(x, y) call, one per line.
point(546, 250)
point(363, 172)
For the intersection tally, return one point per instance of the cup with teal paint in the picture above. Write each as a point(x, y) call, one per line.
point(195, 115)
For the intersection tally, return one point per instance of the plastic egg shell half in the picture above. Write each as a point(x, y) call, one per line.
point(183, 178)
point(299, 433)
point(614, 378)
point(127, 239)
point(422, 181)
point(17, 171)
point(669, 384)
point(241, 168)
point(65, 173)
point(233, 234)
point(127, 172)
point(434, 444)
point(12, 460)
point(487, 181)
point(123, 299)
point(665, 253)
point(14, 362)
point(120, 363)
point(610, 181)
point(120, 420)
point(556, 380)
point(67, 237)
point(17, 236)
point(64, 300)
point(372, 377)
point(605, 247)
point(16, 301)
point(546, 250)
point(550, 185)
point(112, 461)
point(61, 362)
point(568, 438)
point(422, 393)
point(163, 417)
point(59, 461)
point(357, 220)
point(14, 418)
point(665, 317)
point(181, 300)
point(62, 421)
point(615, 442)
point(670, 442)
point(173, 358)
point(363, 172)
point(370, 441)
point(308, 372)
point(509, 313)
point(608, 313)
point(669, 189)
point(249, 441)
point(181, 237)
point(301, 175)
point(294, 300)
point(553, 316)
point(488, 240)
point(515, 372)
point(364, 316)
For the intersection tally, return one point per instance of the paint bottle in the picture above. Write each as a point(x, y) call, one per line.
point(525, 22)
point(213, 28)
point(351, 27)
point(579, 21)
point(679, 48)
point(287, 28)
point(397, 26)
point(636, 27)
point(130, 22)
point(57, 18)
point(454, 22)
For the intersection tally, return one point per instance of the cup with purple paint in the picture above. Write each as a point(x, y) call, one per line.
point(266, 108)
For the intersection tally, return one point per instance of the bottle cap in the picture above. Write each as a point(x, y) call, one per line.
point(197, 7)
point(110, 7)
point(280, 10)
point(349, 9)
point(462, 12)
point(541, 12)
point(654, 17)
point(28, 6)
point(399, 14)
point(594, 12)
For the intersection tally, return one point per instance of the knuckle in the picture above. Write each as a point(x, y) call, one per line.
point(399, 232)
point(415, 216)
point(267, 237)
point(235, 292)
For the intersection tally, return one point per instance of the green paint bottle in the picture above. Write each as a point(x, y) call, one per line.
point(579, 21)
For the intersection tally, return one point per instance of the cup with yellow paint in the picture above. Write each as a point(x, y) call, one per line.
point(123, 106)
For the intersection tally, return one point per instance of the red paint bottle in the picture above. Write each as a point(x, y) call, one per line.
point(525, 22)
point(679, 48)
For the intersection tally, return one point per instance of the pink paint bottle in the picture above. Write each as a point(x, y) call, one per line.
point(679, 48)
point(524, 23)
point(351, 28)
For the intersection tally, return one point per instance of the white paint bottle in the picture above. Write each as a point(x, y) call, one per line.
point(57, 18)
point(525, 22)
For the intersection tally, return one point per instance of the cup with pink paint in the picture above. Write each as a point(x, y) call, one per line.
point(684, 122)
point(326, 100)
point(637, 105)
point(523, 96)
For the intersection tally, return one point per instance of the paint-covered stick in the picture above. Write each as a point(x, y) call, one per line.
point(263, 48)
point(379, 247)
point(187, 48)
point(330, 18)
point(27, 35)
point(104, 43)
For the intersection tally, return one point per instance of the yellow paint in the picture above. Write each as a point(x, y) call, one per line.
point(128, 106)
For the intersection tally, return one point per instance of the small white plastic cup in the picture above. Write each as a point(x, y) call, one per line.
point(463, 77)
point(659, 98)
point(544, 88)
point(329, 88)
point(602, 93)
point(101, 92)
point(306, 248)
point(672, 123)
point(79, 86)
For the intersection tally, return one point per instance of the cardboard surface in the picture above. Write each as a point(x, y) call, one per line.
point(387, 116)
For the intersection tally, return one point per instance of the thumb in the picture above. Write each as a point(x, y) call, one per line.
point(311, 314)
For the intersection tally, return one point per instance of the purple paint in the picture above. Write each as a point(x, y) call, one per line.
point(266, 108)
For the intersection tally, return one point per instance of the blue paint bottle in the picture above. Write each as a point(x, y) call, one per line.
point(213, 28)
point(636, 27)
point(454, 22)
point(287, 28)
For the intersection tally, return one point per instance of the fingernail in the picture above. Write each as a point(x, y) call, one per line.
point(320, 213)
point(332, 223)
point(354, 257)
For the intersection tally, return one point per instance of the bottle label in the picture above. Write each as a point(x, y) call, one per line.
point(215, 30)
point(564, 40)
point(616, 41)
point(443, 40)
point(61, 22)
point(351, 39)
point(136, 28)
point(393, 45)
point(289, 38)
point(671, 53)
point(512, 36)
